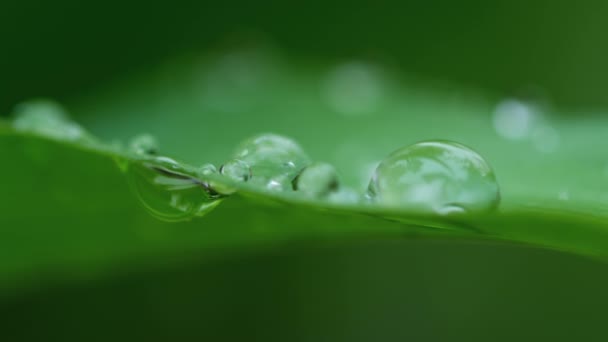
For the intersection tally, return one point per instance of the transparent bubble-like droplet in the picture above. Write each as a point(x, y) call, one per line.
point(237, 170)
point(317, 180)
point(167, 193)
point(274, 160)
point(206, 169)
point(144, 144)
point(435, 176)
point(47, 118)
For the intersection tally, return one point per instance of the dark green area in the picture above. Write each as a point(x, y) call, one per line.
point(382, 290)
point(66, 48)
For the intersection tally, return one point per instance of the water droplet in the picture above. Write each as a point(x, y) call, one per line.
point(48, 118)
point(237, 170)
point(438, 176)
point(514, 119)
point(355, 89)
point(317, 180)
point(273, 160)
point(167, 193)
point(206, 169)
point(144, 144)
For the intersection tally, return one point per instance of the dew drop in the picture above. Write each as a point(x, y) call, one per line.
point(317, 180)
point(47, 118)
point(273, 161)
point(144, 144)
point(237, 170)
point(206, 170)
point(435, 176)
point(167, 193)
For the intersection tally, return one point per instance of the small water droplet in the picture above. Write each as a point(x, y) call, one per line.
point(355, 89)
point(272, 159)
point(47, 118)
point(144, 144)
point(237, 170)
point(317, 180)
point(206, 169)
point(167, 193)
point(438, 176)
point(275, 185)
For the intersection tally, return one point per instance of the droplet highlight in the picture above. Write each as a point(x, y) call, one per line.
point(435, 176)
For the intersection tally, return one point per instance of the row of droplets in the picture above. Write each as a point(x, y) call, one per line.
point(441, 177)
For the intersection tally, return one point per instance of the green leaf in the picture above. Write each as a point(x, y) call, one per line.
point(199, 120)
point(69, 216)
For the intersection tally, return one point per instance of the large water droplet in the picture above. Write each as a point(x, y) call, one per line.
point(437, 176)
point(144, 144)
point(274, 160)
point(168, 193)
point(48, 118)
point(317, 180)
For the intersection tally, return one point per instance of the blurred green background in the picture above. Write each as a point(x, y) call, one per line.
point(381, 290)
point(67, 48)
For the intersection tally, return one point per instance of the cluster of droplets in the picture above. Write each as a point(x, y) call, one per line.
point(439, 177)
point(436, 176)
